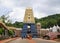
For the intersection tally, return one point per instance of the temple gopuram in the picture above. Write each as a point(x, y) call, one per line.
point(29, 26)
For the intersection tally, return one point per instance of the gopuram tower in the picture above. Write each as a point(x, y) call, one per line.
point(29, 26)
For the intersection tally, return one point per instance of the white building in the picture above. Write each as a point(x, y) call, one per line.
point(55, 28)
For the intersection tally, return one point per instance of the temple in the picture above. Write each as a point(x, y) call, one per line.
point(29, 18)
point(29, 26)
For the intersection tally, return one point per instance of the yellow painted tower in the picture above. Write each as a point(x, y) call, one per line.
point(29, 27)
point(29, 18)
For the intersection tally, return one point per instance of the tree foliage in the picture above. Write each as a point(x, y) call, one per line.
point(11, 32)
point(1, 30)
point(18, 24)
point(46, 22)
point(4, 18)
point(49, 21)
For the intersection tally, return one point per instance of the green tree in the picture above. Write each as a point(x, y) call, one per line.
point(49, 21)
point(18, 24)
point(58, 21)
point(1, 30)
point(4, 18)
point(11, 32)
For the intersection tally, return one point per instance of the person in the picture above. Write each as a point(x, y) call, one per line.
point(50, 29)
point(58, 30)
point(21, 37)
point(29, 36)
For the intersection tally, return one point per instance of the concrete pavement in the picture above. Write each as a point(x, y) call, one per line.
point(44, 41)
point(7, 40)
point(19, 40)
point(36, 40)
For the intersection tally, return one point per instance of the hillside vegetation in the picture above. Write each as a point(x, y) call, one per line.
point(46, 22)
point(49, 21)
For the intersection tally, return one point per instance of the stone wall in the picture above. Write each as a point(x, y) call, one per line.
point(43, 32)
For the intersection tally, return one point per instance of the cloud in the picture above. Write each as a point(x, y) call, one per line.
point(4, 10)
point(7, 3)
point(17, 14)
point(41, 8)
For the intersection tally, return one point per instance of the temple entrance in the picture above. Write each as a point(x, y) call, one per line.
point(29, 27)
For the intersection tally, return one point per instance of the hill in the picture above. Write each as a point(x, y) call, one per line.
point(46, 22)
point(49, 21)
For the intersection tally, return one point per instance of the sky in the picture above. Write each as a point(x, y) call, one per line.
point(16, 8)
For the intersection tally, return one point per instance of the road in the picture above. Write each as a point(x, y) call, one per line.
point(36, 40)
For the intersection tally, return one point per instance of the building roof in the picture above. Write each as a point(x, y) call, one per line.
point(3, 25)
point(14, 28)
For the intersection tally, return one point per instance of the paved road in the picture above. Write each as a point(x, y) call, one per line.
point(32, 41)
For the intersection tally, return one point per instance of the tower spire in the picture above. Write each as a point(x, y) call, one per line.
point(29, 18)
